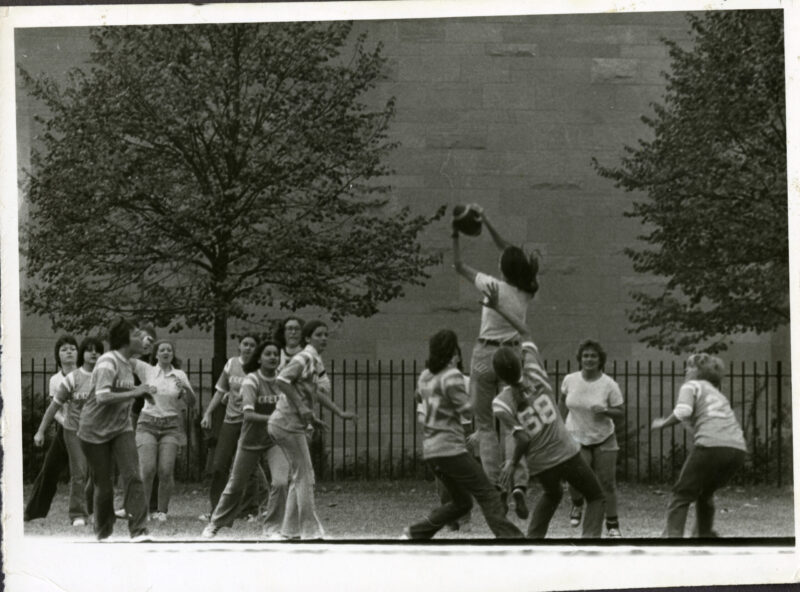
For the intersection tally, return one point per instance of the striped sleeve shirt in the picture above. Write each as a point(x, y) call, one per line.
point(707, 411)
point(443, 401)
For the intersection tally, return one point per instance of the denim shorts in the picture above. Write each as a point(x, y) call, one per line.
point(156, 429)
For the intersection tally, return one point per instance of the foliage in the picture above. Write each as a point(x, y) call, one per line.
point(200, 173)
point(715, 177)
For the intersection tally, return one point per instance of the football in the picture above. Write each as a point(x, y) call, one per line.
point(466, 220)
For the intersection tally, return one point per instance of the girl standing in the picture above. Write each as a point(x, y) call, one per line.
point(229, 385)
point(299, 382)
point(57, 457)
point(594, 400)
point(443, 404)
point(719, 446)
point(106, 431)
point(69, 397)
point(515, 291)
point(259, 397)
point(159, 430)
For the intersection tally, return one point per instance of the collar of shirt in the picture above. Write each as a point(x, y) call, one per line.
point(161, 372)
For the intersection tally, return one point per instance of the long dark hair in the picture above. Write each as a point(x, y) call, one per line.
point(63, 340)
point(442, 346)
point(310, 327)
point(508, 368)
point(520, 269)
point(254, 363)
point(176, 361)
point(119, 332)
point(280, 331)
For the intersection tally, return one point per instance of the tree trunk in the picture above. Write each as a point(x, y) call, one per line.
point(220, 344)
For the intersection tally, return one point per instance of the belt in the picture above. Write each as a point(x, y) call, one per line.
point(510, 343)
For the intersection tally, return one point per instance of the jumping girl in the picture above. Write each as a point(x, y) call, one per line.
point(515, 291)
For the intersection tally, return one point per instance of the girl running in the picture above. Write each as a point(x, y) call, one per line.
point(69, 397)
point(527, 408)
point(594, 400)
point(57, 457)
point(159, 430)
point(229, 384)
point(106, 431)
point(515, 292)
point(444, 402)
point(259, 396)
point(719, 446)
point(299, 383)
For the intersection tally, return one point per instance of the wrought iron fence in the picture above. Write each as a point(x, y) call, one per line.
point(386, 442)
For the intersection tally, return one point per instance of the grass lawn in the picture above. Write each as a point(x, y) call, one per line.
point(381, 509)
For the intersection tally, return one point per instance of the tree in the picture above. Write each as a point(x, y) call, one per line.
point(715, 177)
point(197, 174)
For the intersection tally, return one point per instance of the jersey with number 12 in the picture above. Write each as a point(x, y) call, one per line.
point(551, 444)
point(442, 399)
point(710, 416)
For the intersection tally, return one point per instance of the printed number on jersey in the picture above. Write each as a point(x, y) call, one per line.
point(538, 415)
point(430, 406)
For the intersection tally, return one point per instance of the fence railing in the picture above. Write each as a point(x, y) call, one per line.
point(386, 441)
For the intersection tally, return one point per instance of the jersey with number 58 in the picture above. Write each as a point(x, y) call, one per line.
point(551, 444)
point(709, 414)
point(442, 402)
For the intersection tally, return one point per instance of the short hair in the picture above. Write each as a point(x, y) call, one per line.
point(310, 327)
point(442, 346)
point(507, 365)
point(595, 345)
point(252, 336)
point(63, 339)
point(279, 335)
point(254, 363)
point(150, 330)
point(95, 343)
point(520, 269)
point(119, 332)
point(176, 362)
point(708, 367)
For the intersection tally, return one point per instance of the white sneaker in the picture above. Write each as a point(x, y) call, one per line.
point(204, 517)
point(614, 533)
point(160, 516)
point(142, 538)
point(79, 522)
point(210, 531)
point(121, 513)
point(405, 536)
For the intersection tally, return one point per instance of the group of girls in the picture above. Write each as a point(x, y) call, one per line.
point(92, 396)
point(272, 389)
point(518, 417)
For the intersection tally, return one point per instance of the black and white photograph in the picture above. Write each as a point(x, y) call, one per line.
point(388, 294)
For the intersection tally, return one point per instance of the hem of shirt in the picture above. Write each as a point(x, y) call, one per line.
point(106, 438)
point(443, 455)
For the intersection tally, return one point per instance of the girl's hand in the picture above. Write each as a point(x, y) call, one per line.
point(318, 424)
point(349, 415)
point(205, 423)
point(478, 210)
point(658, 423)
point(506, 478)
point(38, 439)
point(491, 297)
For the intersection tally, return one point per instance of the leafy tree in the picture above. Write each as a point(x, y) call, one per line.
point(197, 174)
point(715, 178)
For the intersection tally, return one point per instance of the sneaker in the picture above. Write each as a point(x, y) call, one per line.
point(204, 517)
point(575, 515)
point(405, 536)
point(210, 531)
point(142, 538)
point(252, 517)
point(614, 533)
point(79, 522)
point(160, 516)
point(121, 513)
point(520, 507)
point(454, 526)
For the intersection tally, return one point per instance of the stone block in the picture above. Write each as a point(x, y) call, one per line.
point(512, 50)
point(615, 71)
point(425, 69)
point(482, 69)
point(472, 31)
point(421, 31)
point(646, 52)
point(509, 96)
point(453, 96)
point(457, 140)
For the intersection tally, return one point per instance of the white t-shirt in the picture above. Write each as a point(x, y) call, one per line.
point(586, 426)
point(55, 381)
point(513, 300)
point(166, 401)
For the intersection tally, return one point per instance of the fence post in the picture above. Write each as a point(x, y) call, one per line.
point(391, 418)
point(778, 394)
point(402, 418)
point(369, 433)
point(380, 413)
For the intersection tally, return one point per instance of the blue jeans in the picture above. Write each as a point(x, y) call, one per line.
point(464, 479)
point(44, 487)
point(79, 485)
point(705, 471)
point(101, 457)
point(579, 475)
point(224, 452)
point(245, 462)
